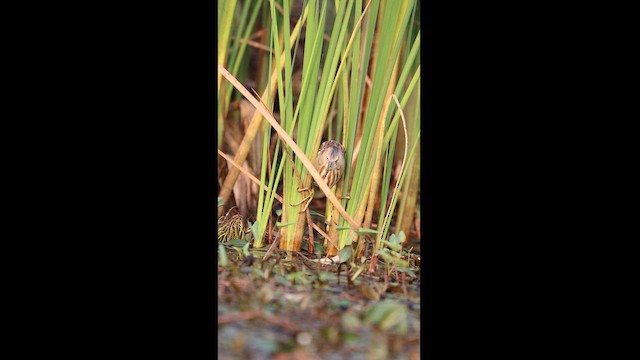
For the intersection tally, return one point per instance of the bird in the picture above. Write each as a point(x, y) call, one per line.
point(330, 162)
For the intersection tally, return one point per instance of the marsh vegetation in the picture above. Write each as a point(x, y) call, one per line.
point(307, 271)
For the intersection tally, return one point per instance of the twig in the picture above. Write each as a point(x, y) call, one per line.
point(247, 315)
point(280, 322)
point(404, 283)
point(257, 34)
point(324, 234)
point(279, 8)
point(311, 267)
point(301, 255)
point(254, 44)
point(257, 313)
point(413, 338)
point(274, 244)
point(367, 81)
point(309, 222)
point(248, 174)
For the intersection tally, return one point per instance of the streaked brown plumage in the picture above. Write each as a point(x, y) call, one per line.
point(330, 162)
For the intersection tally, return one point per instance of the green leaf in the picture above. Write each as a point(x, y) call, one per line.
point(407, 271)
point(387, 314)
point(223, 255)
point(367, 231)
point(220, 201)
point(376, 313)
point(314, 213)
point(357, 272)
point(391, 245)
point(318, 248)
point(345, 254)
point(258, 253)
point(237, 242)
point(255, 228)
point(350, 322)
point(395, 316)
point(239, 252)
point(389, 259)
point(298, 277)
